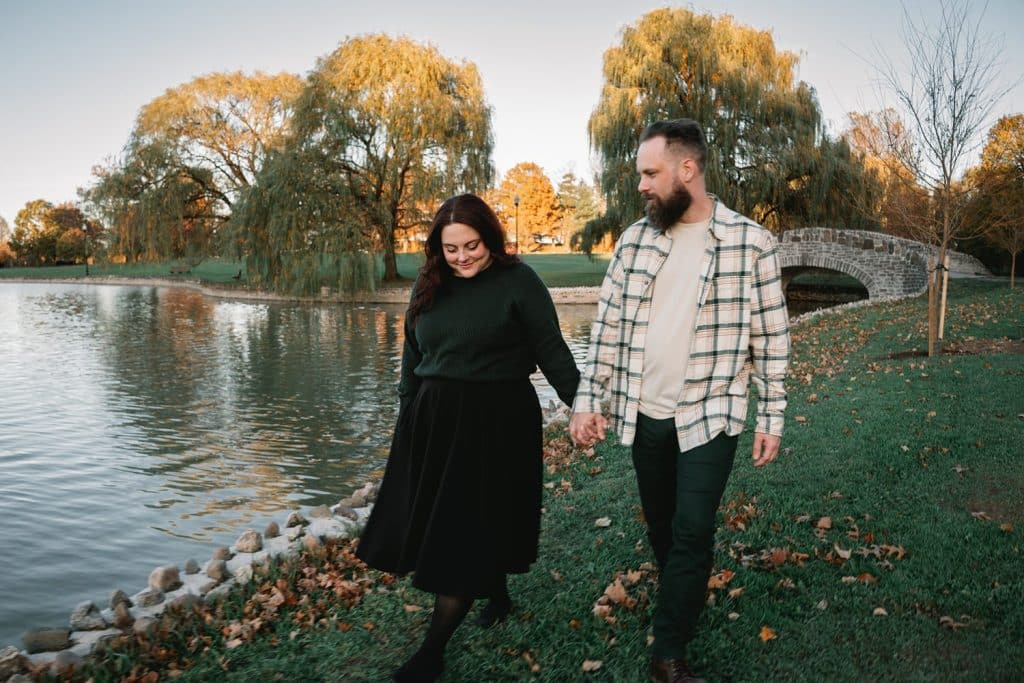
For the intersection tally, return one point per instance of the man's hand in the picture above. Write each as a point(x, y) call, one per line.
point(586, 429)
point(766, 447)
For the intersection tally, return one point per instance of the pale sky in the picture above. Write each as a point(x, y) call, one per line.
point(74, 74)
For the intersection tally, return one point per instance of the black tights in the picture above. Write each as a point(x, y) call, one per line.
point(427, 662)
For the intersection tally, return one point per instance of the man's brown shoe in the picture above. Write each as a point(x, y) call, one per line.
point(673, 671)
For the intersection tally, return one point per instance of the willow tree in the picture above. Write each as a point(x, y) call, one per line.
point(192, 152)
point(997, 183)
point(763, 126)
point(385, 129)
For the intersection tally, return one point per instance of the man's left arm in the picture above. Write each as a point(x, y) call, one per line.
point(769, 349)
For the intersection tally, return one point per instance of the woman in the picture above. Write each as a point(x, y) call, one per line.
point(459, 505)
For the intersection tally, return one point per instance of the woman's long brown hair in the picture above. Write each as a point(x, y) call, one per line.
point(470, 210)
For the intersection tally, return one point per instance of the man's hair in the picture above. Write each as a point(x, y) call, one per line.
point(685, 134)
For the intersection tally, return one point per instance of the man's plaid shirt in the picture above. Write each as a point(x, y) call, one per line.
point(742, 332)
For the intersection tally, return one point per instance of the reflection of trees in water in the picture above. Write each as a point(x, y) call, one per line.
point(244, 409)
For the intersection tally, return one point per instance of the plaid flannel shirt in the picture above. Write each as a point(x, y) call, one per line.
point(741, 335)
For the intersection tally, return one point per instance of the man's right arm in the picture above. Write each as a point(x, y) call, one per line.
point(588, 424)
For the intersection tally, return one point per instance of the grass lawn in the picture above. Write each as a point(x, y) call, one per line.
point(216, 271)
point(557, 270)
point(885, 543)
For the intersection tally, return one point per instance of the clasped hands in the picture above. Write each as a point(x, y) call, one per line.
point(586, 429)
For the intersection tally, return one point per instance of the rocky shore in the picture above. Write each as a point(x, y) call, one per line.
point(170, 588)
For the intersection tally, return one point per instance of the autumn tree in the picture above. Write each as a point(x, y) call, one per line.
point(385, 129)
point(997, 201)
point(5, 230)
point(893, 197)
point(538, 212)
point(579, 203)
point(944, 94)
point(764, 131)
point(35, 235)
point(191, 154)
point(48, 234)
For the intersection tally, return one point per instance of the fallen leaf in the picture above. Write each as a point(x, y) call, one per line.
point(801, 419)
point(981, 515)
point(824, 523)
point(733, 616)
point(904, 448)
point(849, 579)
point(603, 522)
point(880, 612)
point(233, 643)
point(736, 592)
point(720, 580)
point(602, 611)
point(574, 623)
point(1006, 527)
point(822, 605)
point(950, 623)
point(867, 577)
point(845, 554)
point(767, 634)
point(590, 665)
point(633, 576)
point(413, 608)
point(616, 592)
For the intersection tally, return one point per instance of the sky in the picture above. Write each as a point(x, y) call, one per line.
point(74, 73)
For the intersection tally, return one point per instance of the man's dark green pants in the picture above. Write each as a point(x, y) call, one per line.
point(680, 493)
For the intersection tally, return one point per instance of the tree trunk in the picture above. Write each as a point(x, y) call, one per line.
point(1013, 267)
point(387, 243)
point(932, 300)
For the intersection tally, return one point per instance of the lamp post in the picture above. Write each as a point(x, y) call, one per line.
point(85, 229)
point(515, 200)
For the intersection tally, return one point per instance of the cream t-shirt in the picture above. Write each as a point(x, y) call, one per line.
point(673, 319)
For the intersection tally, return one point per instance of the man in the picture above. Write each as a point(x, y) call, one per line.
point(691, 311)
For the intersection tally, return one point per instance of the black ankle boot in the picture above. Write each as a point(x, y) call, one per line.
point(494, 612)
point(421, 668)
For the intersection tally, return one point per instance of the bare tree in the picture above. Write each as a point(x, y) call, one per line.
point(944, 94)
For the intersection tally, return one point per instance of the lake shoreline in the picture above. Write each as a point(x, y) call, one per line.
point(388, 295)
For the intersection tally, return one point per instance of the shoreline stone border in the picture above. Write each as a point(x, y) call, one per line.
point(65, 649)
point(391, 295)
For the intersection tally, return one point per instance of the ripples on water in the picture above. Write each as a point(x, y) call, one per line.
point(141, 426)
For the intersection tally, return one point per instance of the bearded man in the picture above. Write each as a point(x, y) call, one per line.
point(691, 313)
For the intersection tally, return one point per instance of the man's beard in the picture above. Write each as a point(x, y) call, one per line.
point(665, 214)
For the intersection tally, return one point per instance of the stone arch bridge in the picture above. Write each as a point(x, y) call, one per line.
point(886, 265)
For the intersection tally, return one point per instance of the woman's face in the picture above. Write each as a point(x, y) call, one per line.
point(464, 250)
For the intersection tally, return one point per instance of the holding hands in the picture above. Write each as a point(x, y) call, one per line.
point(586, 429)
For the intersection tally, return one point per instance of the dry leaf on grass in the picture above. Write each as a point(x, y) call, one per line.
point(767, 634)
point(603, 522)
point(590, 665)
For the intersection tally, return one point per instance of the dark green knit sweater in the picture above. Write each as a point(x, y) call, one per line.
point(499, 325)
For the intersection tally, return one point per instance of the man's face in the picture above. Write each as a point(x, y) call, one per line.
point(662, 172)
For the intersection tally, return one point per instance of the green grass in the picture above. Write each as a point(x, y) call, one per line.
point(897, 452)
point(215, 271)
point(557, 270)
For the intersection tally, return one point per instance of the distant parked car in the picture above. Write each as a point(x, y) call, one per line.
point(547, 239)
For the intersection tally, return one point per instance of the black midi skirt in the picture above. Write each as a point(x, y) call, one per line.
point(459, 505)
